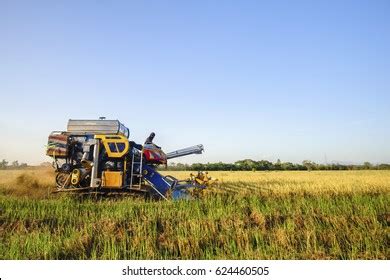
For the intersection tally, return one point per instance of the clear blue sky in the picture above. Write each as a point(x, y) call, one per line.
point(293, 80)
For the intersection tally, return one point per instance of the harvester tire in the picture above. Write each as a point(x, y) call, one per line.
point(63, 180)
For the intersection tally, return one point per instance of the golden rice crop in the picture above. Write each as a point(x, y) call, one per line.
point(248, 215)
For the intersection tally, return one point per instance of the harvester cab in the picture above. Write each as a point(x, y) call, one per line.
point(96, 155)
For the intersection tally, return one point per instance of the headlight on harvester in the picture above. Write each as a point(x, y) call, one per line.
point(75, 179)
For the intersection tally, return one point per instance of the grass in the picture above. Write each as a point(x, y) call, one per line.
point(251, 215)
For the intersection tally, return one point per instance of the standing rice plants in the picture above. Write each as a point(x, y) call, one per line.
point(250, 215)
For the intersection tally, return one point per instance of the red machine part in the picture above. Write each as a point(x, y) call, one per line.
point(154, 155)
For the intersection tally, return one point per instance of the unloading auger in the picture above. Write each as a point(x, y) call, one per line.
point(97, 155)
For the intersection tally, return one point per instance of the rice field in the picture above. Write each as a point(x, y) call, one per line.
point(248, 215)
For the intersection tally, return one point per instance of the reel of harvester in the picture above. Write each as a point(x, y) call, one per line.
point(203, 179)
point(97, 156)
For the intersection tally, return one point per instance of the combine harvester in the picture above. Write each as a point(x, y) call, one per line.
point(97, 156)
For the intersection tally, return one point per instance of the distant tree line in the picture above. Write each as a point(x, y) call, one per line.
point(13, 165)
point(244, 165)
point(265, 165)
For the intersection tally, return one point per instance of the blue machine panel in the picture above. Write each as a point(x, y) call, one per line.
point(156, 179)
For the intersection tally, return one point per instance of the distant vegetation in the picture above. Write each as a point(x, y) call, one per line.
point(265, 165)
point(241, 165)
point(14, 165)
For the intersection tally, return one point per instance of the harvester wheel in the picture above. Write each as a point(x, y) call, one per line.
point(63, 179)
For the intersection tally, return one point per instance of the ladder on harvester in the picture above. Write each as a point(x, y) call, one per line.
point(137, 174)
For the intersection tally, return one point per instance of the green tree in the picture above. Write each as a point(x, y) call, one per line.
point(3, 164)
point(278, 165)
point(288, 166)
point(309, 165)
point(264, 165)
point(367, 165)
